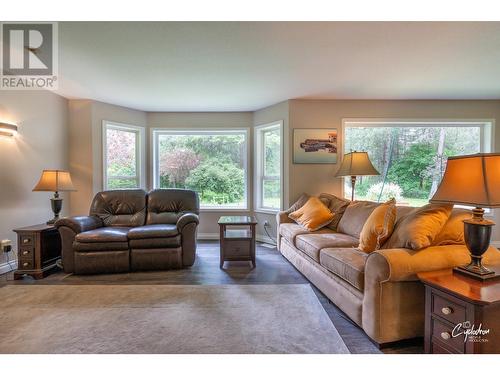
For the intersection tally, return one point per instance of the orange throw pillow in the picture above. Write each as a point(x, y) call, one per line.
point(419, 228)
point(313, 215)
point(378, 227)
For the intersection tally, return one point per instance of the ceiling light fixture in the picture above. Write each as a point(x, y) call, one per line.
point(7, 130)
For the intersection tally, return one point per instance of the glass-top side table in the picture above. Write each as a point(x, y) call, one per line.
point(237, 244)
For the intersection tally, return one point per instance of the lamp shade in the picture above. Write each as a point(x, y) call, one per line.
point(471, 180)
point(356, 164)
point(54, 180)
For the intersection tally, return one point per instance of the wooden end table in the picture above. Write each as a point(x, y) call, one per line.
point(237, 244)
point(39, 248)
point(455, 303)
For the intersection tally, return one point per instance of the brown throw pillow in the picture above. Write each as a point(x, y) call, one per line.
point(453, 231)
point(355, 217)
point(313, 215)
point(299, 203)
point(419, 228)
point(336, 205)
point(378, 227)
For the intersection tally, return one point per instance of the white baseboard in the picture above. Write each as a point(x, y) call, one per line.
point(215, 236)
point(8, 266)
point(495, 244)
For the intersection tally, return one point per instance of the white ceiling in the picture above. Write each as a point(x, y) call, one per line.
point(239, 66)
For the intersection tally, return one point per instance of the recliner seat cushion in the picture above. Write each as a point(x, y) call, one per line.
point(104, 234)
point(311, 244)
point(290, 231)
point(154, 243)
point(348, 264)
point(153, 231)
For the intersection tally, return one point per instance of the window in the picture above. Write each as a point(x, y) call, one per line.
point(411, 157)
point(123, 156)
point(213, 163)
point(268, 156)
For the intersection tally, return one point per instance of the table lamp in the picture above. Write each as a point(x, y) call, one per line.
point(473, 180)
point(356, 164)
point(56, 181)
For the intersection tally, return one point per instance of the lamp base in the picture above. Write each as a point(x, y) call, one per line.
point(483, 275)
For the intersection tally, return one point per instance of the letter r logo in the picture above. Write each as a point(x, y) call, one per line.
point(27, 49)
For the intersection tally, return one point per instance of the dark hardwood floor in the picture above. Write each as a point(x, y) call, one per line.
point(272, 268)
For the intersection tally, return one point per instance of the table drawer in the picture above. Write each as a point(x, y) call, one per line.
point(26, 240)
point(442, 333)
point(27, 252)
point(25, 264)
point(236, 249)
point(447, 309)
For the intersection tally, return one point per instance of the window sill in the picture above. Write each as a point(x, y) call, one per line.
point(266, 211)
point(222, 209)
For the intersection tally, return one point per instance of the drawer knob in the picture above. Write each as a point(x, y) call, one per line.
point(445, 335)
point(25, 264)
point(446, 310)
point(25, 252)
point(26, 240)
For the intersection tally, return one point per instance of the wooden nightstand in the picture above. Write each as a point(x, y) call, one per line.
point(237, 244)
point(455, 303)
point(39, 248)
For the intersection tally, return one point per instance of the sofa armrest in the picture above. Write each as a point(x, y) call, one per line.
point(282, 217)
point(80, 224)
point(187, 225)
point(68, 228)
point(404, 264)
point(186, 219)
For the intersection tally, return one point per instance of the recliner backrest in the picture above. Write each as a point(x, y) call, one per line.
point(120, 208)
point(165, 206)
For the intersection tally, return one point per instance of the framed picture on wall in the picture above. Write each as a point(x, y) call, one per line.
point(315, 146)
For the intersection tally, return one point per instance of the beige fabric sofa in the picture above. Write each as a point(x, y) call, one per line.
point(379, 291)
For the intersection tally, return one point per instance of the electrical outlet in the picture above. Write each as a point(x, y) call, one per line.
point(266, 223)
point(6, 246)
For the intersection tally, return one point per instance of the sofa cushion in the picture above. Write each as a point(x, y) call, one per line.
point(311, 244)
point(313, 215)
point(335, 204)
point(125, 208)
point(355, 217)
point(419, 228)
point(290, 231)
point(153, 231)
point(378, 227)
point(156, 243)
point(453, 230)
point(105, 234)
point(348, 264)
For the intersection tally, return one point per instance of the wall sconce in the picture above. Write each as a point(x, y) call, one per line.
point(7, 130)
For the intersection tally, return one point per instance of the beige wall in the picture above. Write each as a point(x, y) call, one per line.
point(208, 120)
point(274, 113)
point(41, 143)
point(316, 178)
point(85, 138)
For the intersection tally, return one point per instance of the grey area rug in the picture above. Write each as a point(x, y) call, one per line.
point(165, 319)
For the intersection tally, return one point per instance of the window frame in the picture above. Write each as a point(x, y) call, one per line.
point(140, 152)
point(259, 175)
point(486, 126)
point(155, 166)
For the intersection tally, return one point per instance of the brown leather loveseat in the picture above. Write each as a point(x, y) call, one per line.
point(131, 230)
